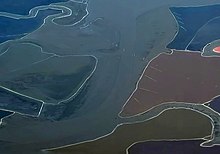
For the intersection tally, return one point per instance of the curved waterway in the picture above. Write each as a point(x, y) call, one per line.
point(11, 28)
point(24, 6)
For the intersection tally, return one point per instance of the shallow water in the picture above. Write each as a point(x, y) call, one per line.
point(190, 20)
point(208, 33)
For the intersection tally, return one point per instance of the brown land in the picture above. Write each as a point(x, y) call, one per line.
point(171, 124)
point(179, 77)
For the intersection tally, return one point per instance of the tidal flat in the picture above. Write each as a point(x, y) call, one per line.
point(116, 74)
point(52, 80)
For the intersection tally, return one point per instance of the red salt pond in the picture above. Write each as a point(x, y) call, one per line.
point(217, 49)
point(179, 77)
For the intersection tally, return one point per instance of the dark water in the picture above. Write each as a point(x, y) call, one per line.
point(23, 6)
point(4, 113)
point(17, 103)
point(68, 108)
point(192, 19)
point(15, 28)
point(63, 82)
point(205, 35)
point(173, 147)
point(215, 104)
